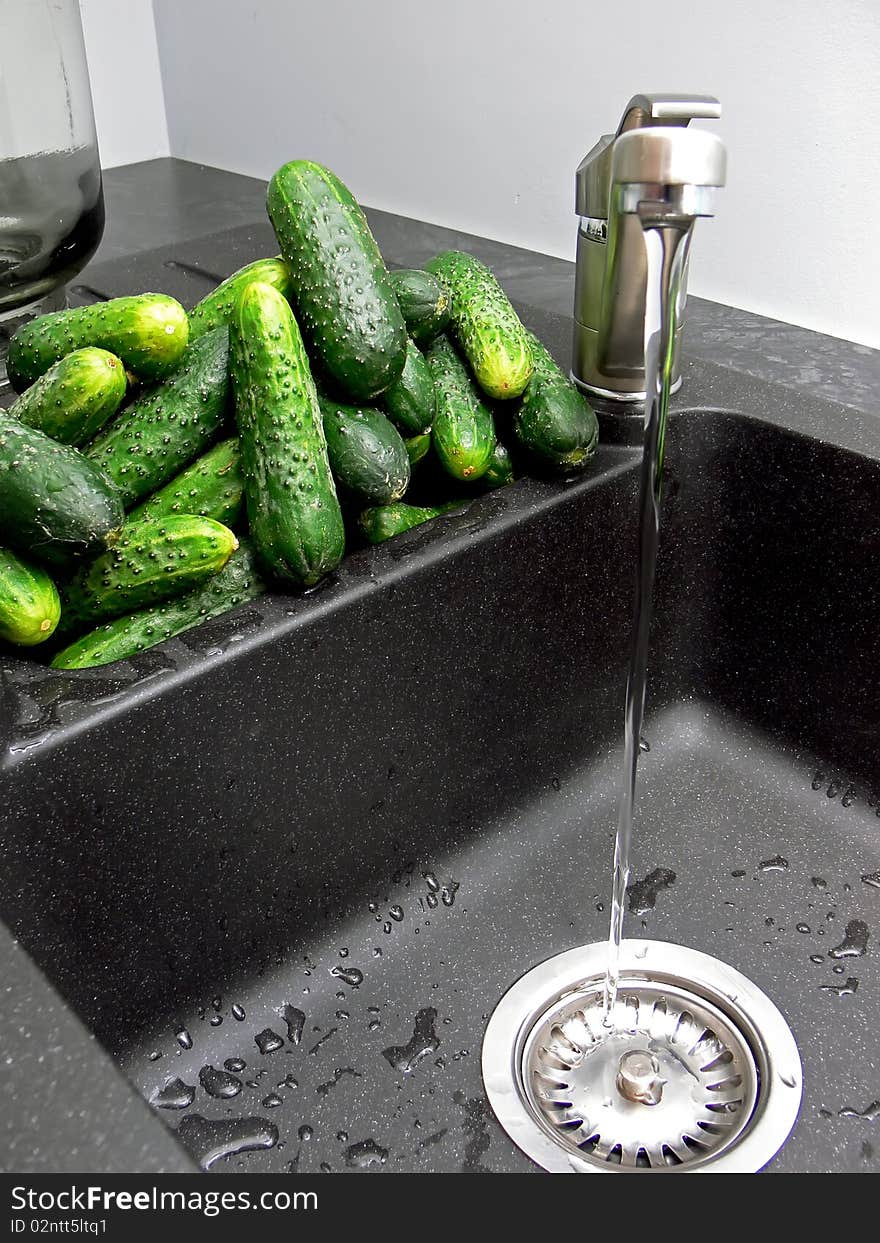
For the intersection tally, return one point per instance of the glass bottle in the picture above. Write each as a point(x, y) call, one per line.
point(51, 200)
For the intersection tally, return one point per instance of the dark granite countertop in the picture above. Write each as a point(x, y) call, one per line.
point(66, 1105)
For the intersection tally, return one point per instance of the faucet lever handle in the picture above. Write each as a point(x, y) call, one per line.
point(665, 109)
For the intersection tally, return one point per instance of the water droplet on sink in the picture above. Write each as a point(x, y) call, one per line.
point(219, 1083)
point(235, 1064)
point(238, 1013)
point(841, 990)
point(816, 958)
point(323, 1089)
point(396, 913)
point(184, 1039)
point(776, 864)
point(423, 1042)
point(854, 943)
point(296, 1021)
point(803, 927)
point(272, 1101)
point(871, 1112)
point(209, 1141)
point(448, 892)
point(349, 975)
point(305, 1133)
point(364, 1154)
point(642, 894)
point(268, 1041)
point(175, 1095)
point(819, 882)
point(872, 879)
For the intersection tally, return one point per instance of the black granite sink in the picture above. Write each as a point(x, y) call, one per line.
point(322, 835)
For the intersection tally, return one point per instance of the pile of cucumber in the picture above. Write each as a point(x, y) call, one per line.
point(159, 468)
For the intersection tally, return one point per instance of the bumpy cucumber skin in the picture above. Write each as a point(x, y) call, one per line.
point(342, 293)
point(29, 603)
point(216, 309)
point(54, 503)
point(293, 511)
point(554, 420)
point(367, 454)
point(500, 472)
point(149, 332)
point(152, 562)
point(418, 448)
point(410, 402)
point(238, 582)
point(382, 522)
point(485, 325)
point(75, 397)
point(212, 487)
point(154, 438)
point(424, 303)
point(463, 433)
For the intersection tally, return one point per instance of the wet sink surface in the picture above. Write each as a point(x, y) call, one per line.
point(721, 809)
point(346, 823)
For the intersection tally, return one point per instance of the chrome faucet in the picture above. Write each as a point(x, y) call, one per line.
point(653, 163)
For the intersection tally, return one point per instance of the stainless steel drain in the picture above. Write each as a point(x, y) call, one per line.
point(697, 1070)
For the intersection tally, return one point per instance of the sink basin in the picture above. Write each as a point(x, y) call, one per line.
point(322, 835)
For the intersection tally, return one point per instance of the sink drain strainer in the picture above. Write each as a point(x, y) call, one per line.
point(697, 1071)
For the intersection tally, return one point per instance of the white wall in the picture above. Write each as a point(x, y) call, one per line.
point(123, 56)
point(475, 113)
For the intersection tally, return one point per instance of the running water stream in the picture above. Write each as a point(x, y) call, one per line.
point(667, 240)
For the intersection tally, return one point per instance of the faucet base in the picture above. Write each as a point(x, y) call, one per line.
point(627, 383)
point(608, 394)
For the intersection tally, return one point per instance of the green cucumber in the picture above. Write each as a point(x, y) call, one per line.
point(152, 562)
point(417, 448)
point(410, 402)
point(238, 582)
point(366, 451)
point(554, 420)
point(293, 510)
point(382, 522)
point(485, 325)
point(75, 397)
point(160, 433)
point(148, 332)
point(424, 302)
point(500, 472)
point(463, 433)
point(212, 487)
point(54, 503)
point(216, 308)
point(29, 602)
point(342, 293)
